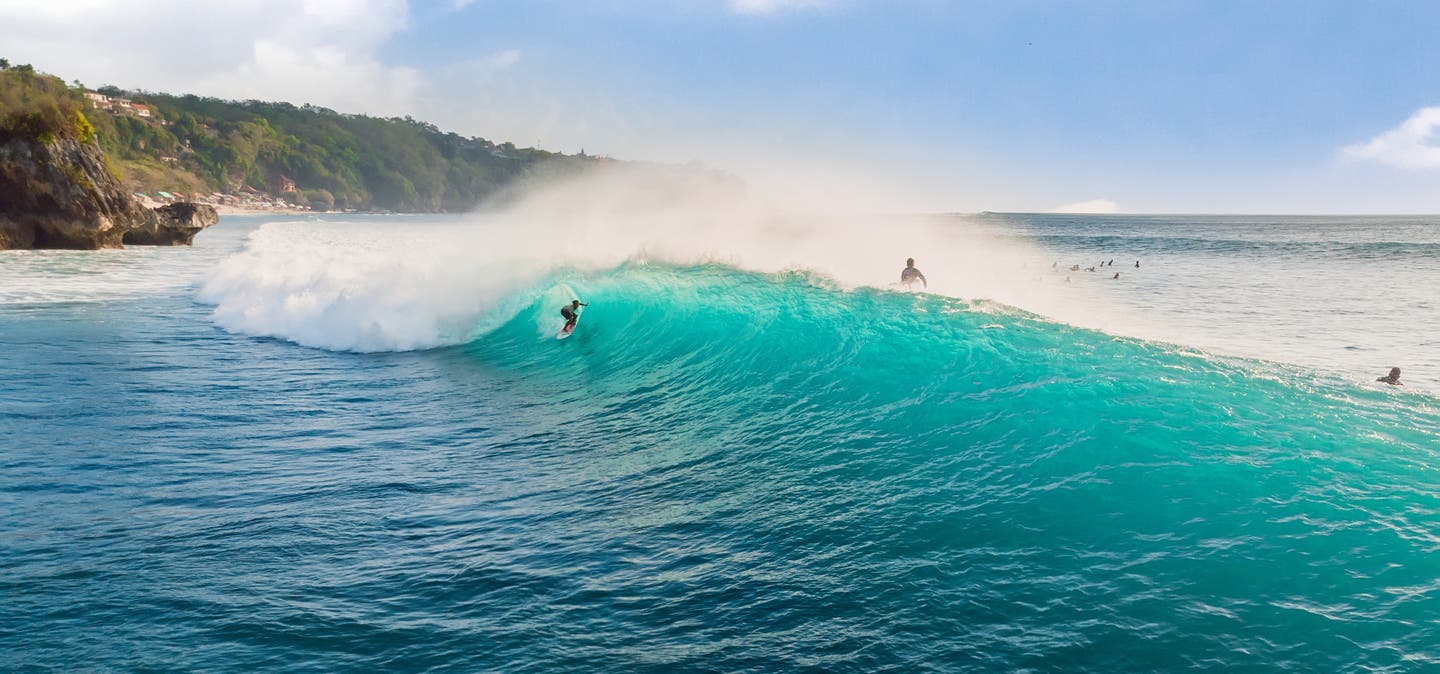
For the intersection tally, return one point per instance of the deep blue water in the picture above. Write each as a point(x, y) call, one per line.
point(722, 470)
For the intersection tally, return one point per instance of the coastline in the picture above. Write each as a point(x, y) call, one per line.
point(241, 210)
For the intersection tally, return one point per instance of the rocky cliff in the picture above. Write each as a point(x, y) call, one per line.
point(58, 193)
point(172, 225)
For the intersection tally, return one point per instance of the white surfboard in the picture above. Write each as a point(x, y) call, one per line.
point(566, 333)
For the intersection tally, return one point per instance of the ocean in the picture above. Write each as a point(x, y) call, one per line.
point(353, 443)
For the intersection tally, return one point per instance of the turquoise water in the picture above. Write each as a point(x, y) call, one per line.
point(722, 470)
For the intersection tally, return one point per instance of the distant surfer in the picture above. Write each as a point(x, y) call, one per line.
point(1116, 277)
point(1393, 378)
point(571, 314)
point(1137, 264)
point(910, 274)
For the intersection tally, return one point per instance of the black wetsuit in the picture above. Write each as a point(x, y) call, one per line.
point(570, 315)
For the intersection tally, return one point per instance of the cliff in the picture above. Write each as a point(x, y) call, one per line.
point(56, 192)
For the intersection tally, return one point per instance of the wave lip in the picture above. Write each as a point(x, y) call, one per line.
point(358, 288)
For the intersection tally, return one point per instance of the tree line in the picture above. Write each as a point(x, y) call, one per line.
point(305, 154)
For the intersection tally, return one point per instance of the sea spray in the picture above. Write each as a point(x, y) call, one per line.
point(354, 287)
point(401, 285)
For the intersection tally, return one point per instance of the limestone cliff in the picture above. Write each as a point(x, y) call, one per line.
point(58, 193)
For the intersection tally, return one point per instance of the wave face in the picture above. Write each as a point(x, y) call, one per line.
point(802, 476)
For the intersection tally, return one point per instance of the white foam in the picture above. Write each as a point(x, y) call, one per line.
point(64, 276)
point(420, 283)
point(357, 286)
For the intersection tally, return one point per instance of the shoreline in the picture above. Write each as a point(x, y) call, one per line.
point(240, 210)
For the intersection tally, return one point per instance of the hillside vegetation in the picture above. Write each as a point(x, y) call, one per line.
point(307, 155)
point(39, 107)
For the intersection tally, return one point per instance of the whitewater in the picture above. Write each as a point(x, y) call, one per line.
point(349, 443)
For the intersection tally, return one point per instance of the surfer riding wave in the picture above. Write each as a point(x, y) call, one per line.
point(571, 313)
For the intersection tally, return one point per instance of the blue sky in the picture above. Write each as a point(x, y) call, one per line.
point(900, 105)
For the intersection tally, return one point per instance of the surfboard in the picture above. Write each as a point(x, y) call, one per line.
point(566, 333)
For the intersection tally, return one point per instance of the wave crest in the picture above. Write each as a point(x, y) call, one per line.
point(361, 287)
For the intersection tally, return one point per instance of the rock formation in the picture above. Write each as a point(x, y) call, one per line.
point(172, 225)
point(60, 194)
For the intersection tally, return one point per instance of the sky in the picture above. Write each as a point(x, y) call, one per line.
point(898, 105)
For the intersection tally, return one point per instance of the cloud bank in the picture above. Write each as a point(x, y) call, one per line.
point(766, 7)
point(1410, 145)
point(318, 51)
point(1101, 206)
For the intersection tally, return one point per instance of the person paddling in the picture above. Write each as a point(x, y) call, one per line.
point(1393, 378)
point(571, 313)
point(910, 274)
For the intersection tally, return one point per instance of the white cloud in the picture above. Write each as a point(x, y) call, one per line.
point(500, 60)
point(1410, 145)
point(764, 7)
point(315, 51)
point(1091, 206)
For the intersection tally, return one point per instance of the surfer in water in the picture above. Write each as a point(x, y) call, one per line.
point(569, 312)
point(910, 274)
point(1393, 378)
